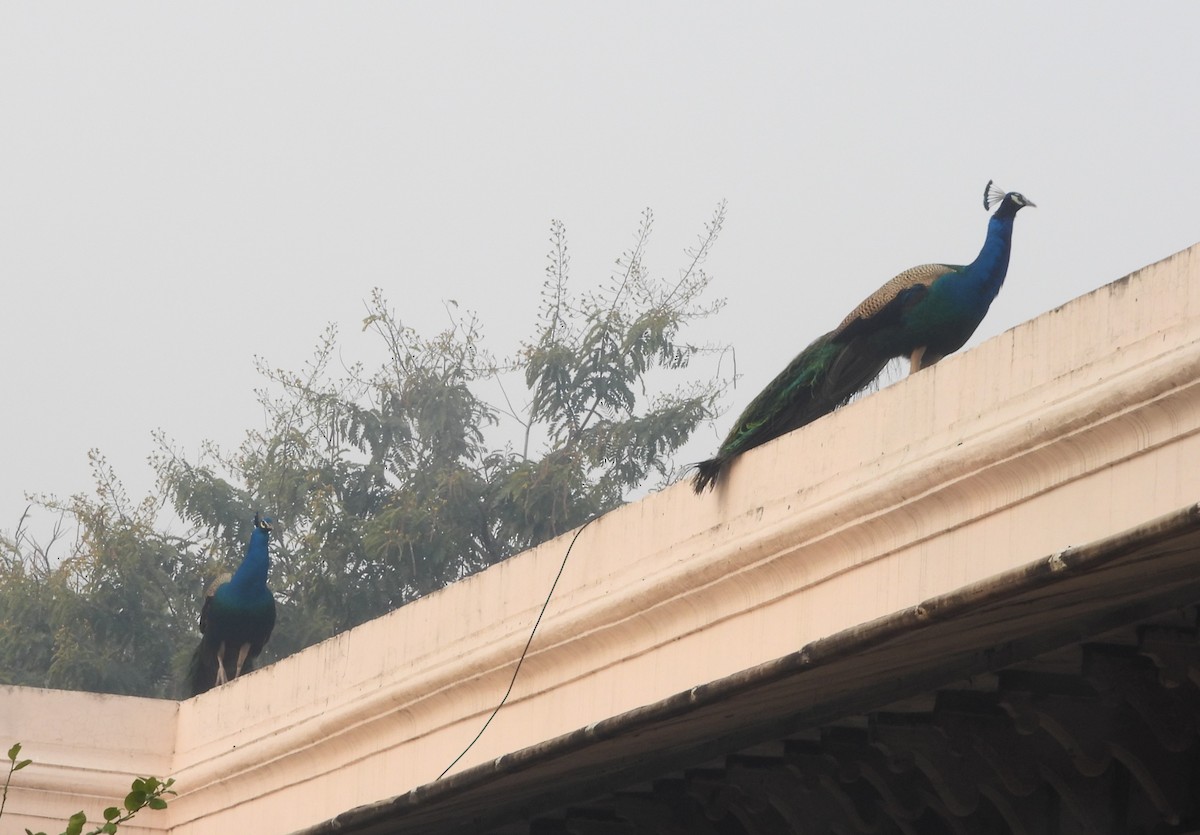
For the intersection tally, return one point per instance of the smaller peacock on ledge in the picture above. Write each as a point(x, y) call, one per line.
point(923, 314)
point(237, 617)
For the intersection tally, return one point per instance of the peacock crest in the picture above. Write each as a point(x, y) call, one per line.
point(992, 195)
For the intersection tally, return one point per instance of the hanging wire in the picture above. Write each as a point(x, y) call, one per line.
point(524, 652)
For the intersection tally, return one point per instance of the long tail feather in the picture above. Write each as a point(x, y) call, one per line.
point(821, 378)
point(706, 473)
point(202, 674)
point(852, 370)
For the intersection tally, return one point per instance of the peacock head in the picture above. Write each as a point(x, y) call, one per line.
point(263, 523)
point(1010, 202)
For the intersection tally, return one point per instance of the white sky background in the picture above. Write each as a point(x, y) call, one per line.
point(184, 187)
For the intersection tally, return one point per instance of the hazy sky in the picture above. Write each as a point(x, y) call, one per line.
point(186, 186)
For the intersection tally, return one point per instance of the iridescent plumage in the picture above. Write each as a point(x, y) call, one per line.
point(237, 617)
point(923, 314)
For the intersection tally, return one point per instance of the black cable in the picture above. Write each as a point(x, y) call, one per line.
point(525, 651)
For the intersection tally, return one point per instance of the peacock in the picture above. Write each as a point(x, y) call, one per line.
point(237, 617)
point(924, 314)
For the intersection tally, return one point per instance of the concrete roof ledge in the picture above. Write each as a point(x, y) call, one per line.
point(86, 749)
point(970, 469)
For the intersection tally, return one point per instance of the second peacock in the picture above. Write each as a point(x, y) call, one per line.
point(923, 314)
point(237, 617)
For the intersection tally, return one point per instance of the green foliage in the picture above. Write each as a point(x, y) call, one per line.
point(145, 793)
point(14, 765)
point(108, 614)
point(589, 370)
point(386, 483)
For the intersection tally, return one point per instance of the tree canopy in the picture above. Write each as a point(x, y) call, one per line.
point(386, 483)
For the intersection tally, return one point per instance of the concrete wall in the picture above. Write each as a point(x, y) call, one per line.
point(1071, 427)
point(86, 749)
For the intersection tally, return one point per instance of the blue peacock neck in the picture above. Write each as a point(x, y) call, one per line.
point(252, 573)
point(991, 265)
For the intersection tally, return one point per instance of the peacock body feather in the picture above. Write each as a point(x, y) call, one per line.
point(237, 617)
point(925, 313)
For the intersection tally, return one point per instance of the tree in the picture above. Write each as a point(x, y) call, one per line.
point(109, 613)
point(390, 483)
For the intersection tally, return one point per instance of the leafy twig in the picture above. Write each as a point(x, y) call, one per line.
point(145, 793)
point(13, 765)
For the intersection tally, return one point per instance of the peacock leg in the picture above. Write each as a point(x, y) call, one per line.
point(242, 653)
point(914, 362)
point(221, 676)
point(923, 358)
